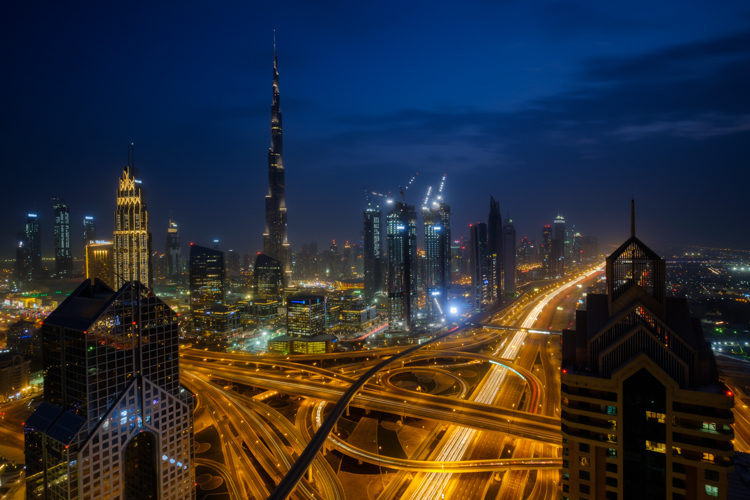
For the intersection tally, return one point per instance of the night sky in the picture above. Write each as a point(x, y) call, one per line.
point(569, 107)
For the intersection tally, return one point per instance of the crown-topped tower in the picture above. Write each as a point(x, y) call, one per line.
point(275, 243)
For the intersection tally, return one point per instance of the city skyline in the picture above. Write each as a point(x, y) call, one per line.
point(590, 76)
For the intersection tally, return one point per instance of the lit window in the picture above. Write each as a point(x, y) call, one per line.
point(676, 450)
point(652, 415)
point(708, 457)
point(709, 427)
point(712, 491)
point(656, 446)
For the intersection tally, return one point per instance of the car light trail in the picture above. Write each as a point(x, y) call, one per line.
point(434, 482)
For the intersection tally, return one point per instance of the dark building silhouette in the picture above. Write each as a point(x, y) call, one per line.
point(33, 248)
point(172, 253)
point(275, 243)
point(558, 246)
point(372, 242)
point(63, 258)
point(643, 412)
point(401, 243)
point(509, 258)
point(479, 264)
point(495, 250)
point(99, 262)
point(545, 250)
point(267, 278)
point(114, 422)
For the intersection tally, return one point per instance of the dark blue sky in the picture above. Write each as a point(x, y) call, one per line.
point(568, 107)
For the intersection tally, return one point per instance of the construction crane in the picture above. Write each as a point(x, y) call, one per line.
point(440, 189)
point(426, 204)
point(404, 189)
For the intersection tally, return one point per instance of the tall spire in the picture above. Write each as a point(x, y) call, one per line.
point(275, 242)
point(632, 218)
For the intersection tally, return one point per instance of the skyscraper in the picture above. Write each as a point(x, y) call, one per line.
point(545, 250)
point(267, 278)
point(114, 421)
point(63, 259)
point(100, 261)
point(89, 229)
point(208, 281)
point(33, 246)
point(558, 246)
point(437, 244)
point(401, 242)
point(481, 284)
point(643, 412)
point(173, 252)
point(509, 258)
point(275, 243)
point(132, 237)
point(495, 249)
point(373, 250)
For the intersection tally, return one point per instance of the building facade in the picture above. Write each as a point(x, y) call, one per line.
point(33, 247)
point(131, 235)
point(100, 258)
point(372, 241)
point(481, 278)
point(559, 247)
point(114, 422)
point(509, 258)
point(63, 257)
point(267, 278)
point(401, 246)
point(275, 242)
point(174, 270)
point(89, 229)
point(495, 250)
point(643, 412)
point(545, 252)
point(437, 245)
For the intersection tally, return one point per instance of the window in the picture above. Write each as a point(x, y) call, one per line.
point(583, 447)
point(708, 457)
point(712, 491)
point(656, 446)
point(612, 452)
point(712, 475)
point(611, 410)
point(652, 415)
point(584, 474)
point(584, 488)
point(709, 427)
point(676, 450)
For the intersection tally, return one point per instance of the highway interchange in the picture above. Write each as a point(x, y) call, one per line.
point(495, 435)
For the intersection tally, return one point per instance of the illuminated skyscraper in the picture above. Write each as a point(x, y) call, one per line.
point(89, 229)
point(373, 250)
point(644, 415)
point(132, 237)
point(545, 250)
point(100, 261)
point(212, 319)
point(275, 243)
point(481, 285)
point(63, 259)
point(495, 249)
point(33, 245)
point(173, 252)
point(509, 258)
point(437, 244)
point(114, 421)
point(401, 245)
